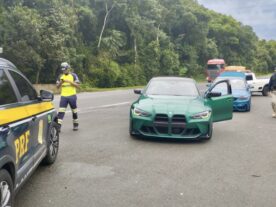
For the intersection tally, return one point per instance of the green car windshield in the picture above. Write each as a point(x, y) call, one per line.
point(172, 87)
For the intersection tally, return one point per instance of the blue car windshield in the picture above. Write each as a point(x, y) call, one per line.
point(236, 83)
point(172, 87)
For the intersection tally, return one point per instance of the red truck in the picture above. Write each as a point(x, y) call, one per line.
point(214, 68)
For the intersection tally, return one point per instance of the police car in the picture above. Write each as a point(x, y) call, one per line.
point(28, 130)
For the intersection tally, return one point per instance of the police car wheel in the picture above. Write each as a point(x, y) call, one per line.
point(53, 144)
point(6, 189)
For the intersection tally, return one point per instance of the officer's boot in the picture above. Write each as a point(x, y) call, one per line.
point(274, 109)
point(58, 128)
point(75, 126)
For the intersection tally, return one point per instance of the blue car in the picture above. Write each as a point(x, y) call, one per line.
point(240, 91)
point(233, 74)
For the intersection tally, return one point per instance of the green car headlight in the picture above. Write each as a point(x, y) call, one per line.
point(202, 115)
point(140, 112)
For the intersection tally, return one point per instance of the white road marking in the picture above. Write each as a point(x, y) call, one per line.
point(69, 111)
point(100, 107)
point(110, 105)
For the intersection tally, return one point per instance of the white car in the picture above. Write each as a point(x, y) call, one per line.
point(257, 85)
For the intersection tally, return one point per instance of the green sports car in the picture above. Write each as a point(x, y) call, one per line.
point(172, 107)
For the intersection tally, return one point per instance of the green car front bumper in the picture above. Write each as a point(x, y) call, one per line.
point(175, 126)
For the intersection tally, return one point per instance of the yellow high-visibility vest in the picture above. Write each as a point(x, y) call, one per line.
point(66, 88)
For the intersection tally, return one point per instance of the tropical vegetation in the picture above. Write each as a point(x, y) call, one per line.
point(112, 43)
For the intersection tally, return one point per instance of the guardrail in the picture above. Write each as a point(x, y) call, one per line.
point(48, 87)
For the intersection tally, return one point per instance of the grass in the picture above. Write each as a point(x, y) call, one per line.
point(258, 74)
point(198, 79)
point(87, 89)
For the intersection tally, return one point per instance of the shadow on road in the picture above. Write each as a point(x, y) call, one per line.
point(169, 140)
point(258, 95)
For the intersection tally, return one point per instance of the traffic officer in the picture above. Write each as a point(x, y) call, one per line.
point(272, 89)
point(68, 82)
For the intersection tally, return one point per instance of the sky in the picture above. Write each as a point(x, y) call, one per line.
point(259, 14)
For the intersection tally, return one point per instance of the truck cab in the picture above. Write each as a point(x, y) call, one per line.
point(214, 68)
point(257, 85)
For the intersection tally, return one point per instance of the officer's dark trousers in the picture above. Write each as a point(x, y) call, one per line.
point(273, 101)
point(64, 101)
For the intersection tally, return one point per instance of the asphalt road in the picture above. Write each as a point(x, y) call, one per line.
point(101, 165)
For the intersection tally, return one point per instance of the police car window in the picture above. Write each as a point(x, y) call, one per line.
point(7, 95)
point(25, 89)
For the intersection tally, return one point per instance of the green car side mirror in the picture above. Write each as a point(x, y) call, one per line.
point(137, 91)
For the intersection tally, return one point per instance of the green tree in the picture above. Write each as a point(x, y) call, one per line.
point(124, 42)
point(22, 36)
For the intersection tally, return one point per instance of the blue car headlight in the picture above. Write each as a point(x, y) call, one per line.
point(140, 112)
point(202, 115)
point(243, 98)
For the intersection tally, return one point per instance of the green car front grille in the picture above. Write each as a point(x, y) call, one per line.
point(169, 126)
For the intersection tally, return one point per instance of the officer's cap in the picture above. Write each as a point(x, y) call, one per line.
point(64, 66)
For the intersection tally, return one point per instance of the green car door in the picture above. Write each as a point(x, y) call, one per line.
point(219, 98)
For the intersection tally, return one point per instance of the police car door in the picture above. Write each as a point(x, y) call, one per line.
point(15, 140)
point(38, 113)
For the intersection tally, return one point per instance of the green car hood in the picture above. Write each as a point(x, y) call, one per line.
point(171, 104)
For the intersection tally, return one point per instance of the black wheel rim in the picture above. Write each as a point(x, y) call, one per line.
point(54, 142)
point(5, 194)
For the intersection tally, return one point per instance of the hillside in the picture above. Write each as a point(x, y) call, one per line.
point(124, 42)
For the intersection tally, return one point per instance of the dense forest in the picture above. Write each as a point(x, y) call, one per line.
point(125, 42)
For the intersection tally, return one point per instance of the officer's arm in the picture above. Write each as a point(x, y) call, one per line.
point(59, 82)
point(76, 81)
point(76, 84)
